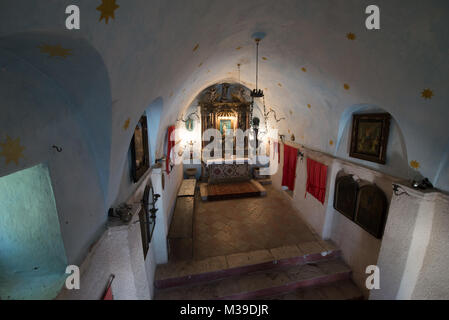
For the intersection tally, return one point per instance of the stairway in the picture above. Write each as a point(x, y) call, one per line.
point(307, 271)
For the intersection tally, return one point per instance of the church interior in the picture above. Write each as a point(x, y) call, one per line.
point(224, 150)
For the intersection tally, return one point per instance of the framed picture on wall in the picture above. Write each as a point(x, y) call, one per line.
point(139, 150)
point(369, 137)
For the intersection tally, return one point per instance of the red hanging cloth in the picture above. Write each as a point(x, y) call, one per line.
point(289, 170)
point(170, 145)
point(316, 179)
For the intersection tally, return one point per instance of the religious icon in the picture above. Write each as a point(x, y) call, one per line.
point(370, 137)
point(189, 124)
point(225, 125)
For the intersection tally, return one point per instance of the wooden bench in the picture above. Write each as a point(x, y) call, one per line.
point(180, 235)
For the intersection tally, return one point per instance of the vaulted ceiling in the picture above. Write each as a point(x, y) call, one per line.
point(312, 72)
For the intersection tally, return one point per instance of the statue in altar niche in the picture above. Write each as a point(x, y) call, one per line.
point(225, 125)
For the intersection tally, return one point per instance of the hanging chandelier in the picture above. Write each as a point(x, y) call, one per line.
point(257, 93)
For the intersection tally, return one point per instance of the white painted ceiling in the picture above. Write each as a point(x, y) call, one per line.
point(149, 53)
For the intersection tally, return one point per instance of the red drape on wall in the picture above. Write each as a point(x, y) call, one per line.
point(170, 145)
point(289, 171)
point(316, 179)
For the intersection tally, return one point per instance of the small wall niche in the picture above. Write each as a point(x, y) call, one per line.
point(32, 254)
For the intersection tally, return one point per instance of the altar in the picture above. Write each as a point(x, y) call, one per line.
point(226, 108)
point(229, 170)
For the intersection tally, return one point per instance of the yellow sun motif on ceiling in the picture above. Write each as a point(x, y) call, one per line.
point(12, 150)
point(126, 125)
point(107, 9)
point(55, 51)
point(414, 164)
point(427, 94)
point(350, 36)
point(304, 69)
point(346, 86)
point(309, 106)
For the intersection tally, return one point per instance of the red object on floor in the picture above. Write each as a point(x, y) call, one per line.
point(316, 179)
point(170, 145)
point(108, 295)
point(289, 171)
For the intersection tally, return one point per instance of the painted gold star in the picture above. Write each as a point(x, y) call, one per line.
point(265, 58)
point(126, 125)
point(427, 94)
point(309, 106)
point(196, 47)
point(346, 86)
point(12, 150)
point(414, 164)
point(107, 9)
point(238, 48)
point(304, 69)
point(55, 51)
point(350, 36)
point(331, 142)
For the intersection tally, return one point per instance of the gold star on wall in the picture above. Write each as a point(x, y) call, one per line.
point(309, 106)
point(414, 164)
point(238, 48)
point(126, 124)
point(55, 51)
point(265, 58)
point(304, 69)
point(12, 150)
point(107, 9)
point(346, 86)
point(331, 142)
point(427, 94)
point(350, 36)
point(196, 47)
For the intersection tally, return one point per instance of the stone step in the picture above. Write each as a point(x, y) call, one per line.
point(180, 273)
point(262, 284)
point(264, 181)
point(340, 290)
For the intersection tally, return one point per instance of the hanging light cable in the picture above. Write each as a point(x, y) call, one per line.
point(257, 93)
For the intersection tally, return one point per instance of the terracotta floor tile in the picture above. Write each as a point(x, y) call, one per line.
point(241, 225)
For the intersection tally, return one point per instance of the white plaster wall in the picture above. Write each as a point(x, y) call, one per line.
point(413, 257)
point(433, 280)
point(119, 252)
point(165, 205)
point(359, 248)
